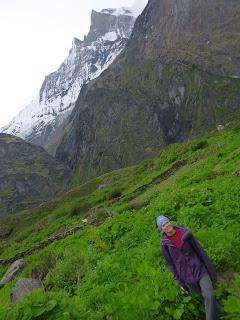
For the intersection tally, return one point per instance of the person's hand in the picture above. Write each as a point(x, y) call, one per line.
point(185, 290)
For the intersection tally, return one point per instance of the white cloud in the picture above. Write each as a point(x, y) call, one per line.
point(138, 5)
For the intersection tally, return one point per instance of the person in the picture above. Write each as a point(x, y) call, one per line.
point(190, 265)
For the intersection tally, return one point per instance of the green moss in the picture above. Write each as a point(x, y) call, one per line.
point(168, 72)
point(6, 192)
point(141, 78)
point(194, 83)
point(9, 139)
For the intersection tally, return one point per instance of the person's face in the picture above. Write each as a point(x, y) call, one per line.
point(167, 227)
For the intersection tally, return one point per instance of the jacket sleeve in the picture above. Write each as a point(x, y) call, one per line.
point(204, 258)
point(171, 266)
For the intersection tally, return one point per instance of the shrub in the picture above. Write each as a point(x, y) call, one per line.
point(232, 304)
point(43, 306)
point(198, 145)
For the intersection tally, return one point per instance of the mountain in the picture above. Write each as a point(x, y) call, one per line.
point(108, 35)
point(178, 76)
point(28, 174)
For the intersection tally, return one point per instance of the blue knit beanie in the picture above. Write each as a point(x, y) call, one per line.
point(160, 220)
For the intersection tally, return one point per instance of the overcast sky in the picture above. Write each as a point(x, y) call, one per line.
point(35, 37)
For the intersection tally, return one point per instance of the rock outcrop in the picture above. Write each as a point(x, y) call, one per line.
point(14, 269)
point(23, 287)
point(29, 175)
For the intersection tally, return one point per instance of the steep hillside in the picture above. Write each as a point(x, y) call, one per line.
point(113, 268)
point(28, 175)
point(177, 77)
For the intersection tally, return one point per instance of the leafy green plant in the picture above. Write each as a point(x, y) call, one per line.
point(42, 306)
point(114, 269)
point(232, 304)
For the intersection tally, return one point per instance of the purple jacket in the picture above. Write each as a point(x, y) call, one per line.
point(189, 263)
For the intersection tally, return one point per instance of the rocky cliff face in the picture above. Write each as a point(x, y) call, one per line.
point(200, 32)
point(177, 77)
point(109, 32)
point(28, 175)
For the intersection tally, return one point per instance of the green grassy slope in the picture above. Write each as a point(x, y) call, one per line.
point(113, 268)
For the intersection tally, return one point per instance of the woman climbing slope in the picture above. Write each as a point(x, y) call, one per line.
point(189, 264)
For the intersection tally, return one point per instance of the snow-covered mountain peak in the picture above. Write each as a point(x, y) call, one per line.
point(133, 10)
point(105, 22)
point(118, 12)
point(108, 35)
point(76, 43)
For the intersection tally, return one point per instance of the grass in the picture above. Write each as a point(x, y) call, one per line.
point(114, 269)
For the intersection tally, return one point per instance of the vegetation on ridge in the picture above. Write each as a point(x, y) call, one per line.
point(113, 268)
